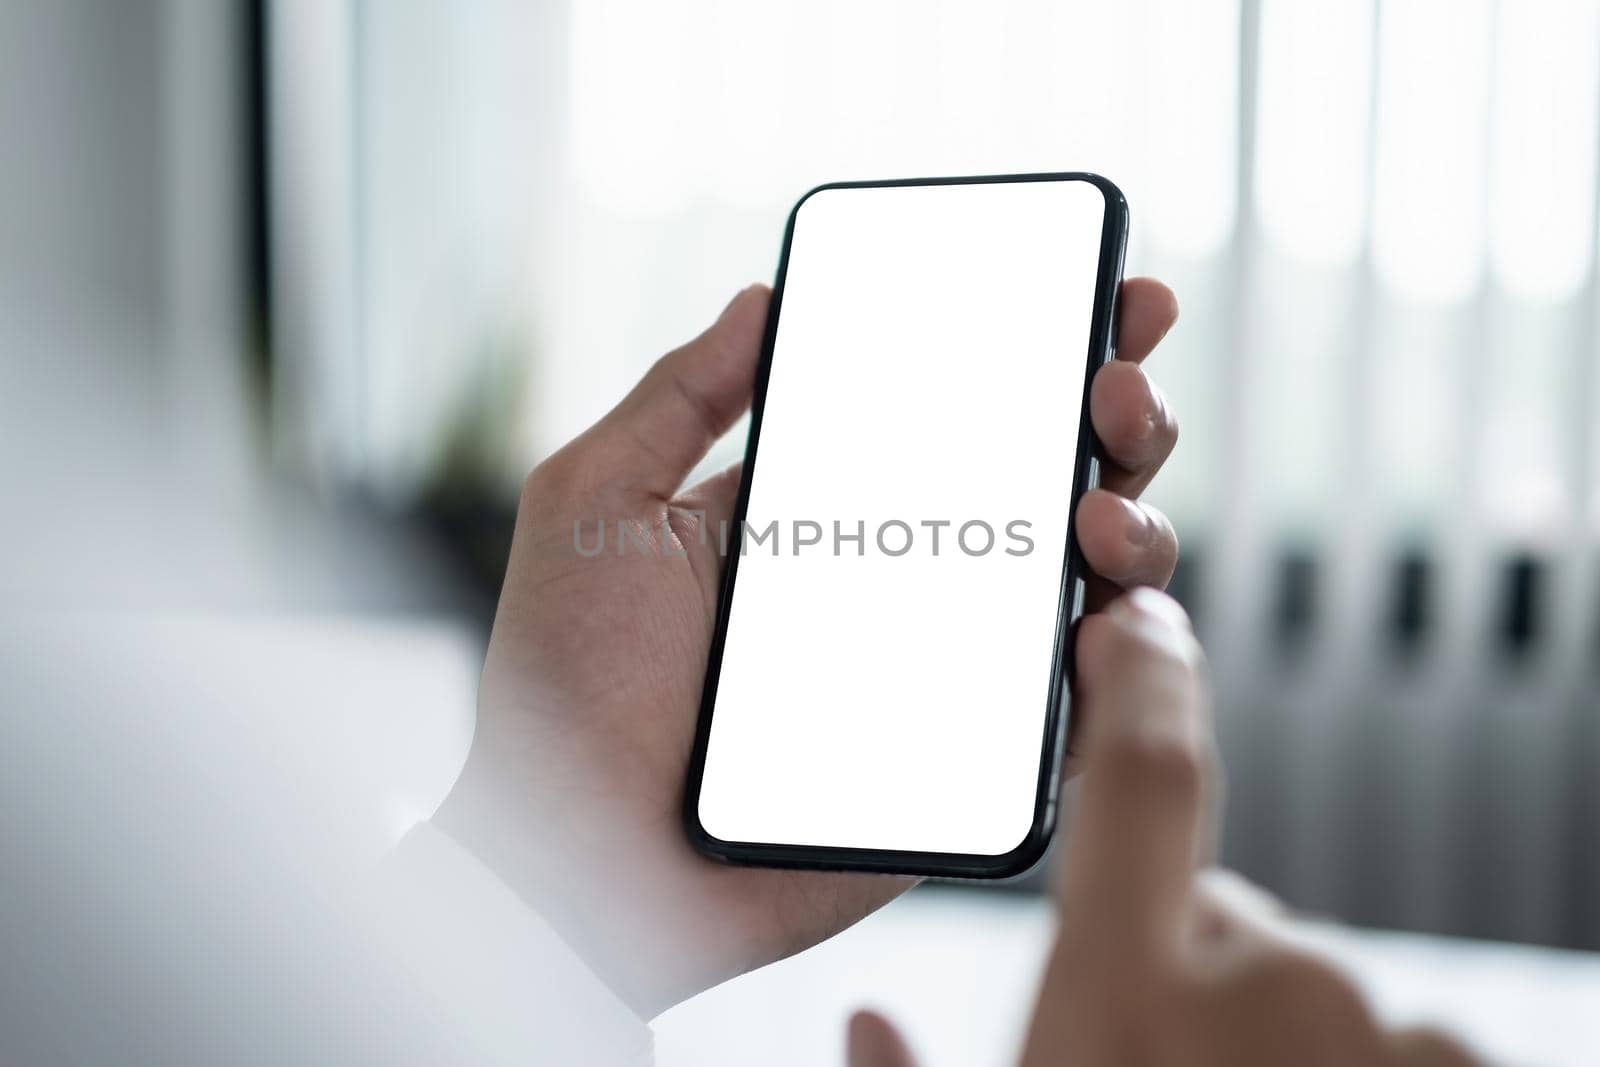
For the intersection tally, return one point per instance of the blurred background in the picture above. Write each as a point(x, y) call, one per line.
point(293, 293)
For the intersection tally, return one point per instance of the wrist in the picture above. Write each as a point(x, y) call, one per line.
point(543, 853)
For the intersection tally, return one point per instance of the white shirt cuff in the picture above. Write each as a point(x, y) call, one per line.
point(490, 966)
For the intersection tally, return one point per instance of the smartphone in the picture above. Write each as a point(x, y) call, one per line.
point(887, 682)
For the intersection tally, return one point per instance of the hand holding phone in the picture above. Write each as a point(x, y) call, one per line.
point(887, 687)
point(586, 715)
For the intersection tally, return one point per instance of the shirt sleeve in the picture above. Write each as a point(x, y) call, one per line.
point(489, 969)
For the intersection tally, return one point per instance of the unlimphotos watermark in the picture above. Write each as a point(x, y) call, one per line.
point(890, 537)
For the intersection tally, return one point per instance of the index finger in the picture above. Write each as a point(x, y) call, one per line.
point(1141, 821)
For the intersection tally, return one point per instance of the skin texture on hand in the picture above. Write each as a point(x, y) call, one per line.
point(591, 690)
point(1157, 961)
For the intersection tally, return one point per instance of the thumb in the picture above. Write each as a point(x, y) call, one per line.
point(688, 399)
point(874, 1041)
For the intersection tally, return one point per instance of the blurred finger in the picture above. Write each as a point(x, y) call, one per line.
point(1230, 910)
point(654, 437)
point(874, 1041)
point(1126, 541)
point(1136, 427)
point(1147, 311)
point(1428, 1046)
point(1141, 810)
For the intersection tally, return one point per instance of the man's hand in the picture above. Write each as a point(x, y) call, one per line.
point(1156, 962)
point(590, 694)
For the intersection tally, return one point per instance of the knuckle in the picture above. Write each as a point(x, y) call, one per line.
point(1166, 419)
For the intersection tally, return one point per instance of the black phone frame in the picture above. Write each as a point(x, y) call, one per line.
point(1086, 475)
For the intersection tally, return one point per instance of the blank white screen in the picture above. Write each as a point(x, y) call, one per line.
point(928, 365)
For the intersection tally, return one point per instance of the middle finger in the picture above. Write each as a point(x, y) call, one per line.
point(1135, 425)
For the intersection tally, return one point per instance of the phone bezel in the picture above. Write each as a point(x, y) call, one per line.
point(1086, 471)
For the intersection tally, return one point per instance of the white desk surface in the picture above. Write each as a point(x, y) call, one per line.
point(957, 969)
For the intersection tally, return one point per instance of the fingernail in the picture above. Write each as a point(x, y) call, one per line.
point(1156, 416)
point(1137, 526)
